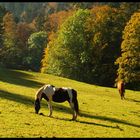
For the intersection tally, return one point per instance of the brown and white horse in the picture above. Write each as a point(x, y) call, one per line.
point(51, 93)
point(121, 88)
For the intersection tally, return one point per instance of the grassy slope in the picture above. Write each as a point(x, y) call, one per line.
point(103, 113)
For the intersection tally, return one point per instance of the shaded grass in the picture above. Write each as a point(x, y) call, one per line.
point(18, 78)
point(16, 97)
point(102, 113)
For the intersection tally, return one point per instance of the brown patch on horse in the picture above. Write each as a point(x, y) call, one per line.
point(121, 88)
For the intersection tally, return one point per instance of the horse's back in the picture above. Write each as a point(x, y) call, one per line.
point(120, 86)
point(60, 95)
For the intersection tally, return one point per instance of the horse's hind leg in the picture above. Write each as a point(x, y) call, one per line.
point(120, 92)
point(123, 96)
point(74, 116)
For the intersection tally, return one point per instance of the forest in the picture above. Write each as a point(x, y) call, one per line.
point(93, 42)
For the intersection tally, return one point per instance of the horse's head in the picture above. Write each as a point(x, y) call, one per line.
point(37, 105)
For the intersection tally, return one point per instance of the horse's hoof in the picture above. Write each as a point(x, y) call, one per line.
point(73, 119)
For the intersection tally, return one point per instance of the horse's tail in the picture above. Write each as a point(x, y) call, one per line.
point(75, 101)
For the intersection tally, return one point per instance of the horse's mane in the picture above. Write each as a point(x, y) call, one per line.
point(39, 92)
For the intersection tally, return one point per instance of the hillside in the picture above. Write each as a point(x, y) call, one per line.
point(102, 112)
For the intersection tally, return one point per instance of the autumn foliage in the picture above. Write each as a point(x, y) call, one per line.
point(96, 43)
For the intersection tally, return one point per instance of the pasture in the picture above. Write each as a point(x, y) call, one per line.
point(102, 112)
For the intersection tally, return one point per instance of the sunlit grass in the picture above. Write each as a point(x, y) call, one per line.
point(102, 112)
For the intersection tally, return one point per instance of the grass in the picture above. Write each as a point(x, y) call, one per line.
point(102, 112)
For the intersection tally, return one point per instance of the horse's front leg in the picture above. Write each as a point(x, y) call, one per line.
point(50, 108)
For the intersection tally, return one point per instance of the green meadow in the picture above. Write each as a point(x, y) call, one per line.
point(102, 112)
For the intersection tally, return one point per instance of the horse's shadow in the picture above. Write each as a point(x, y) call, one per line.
point(90, 123)
point(113, 120)
point(64, 109)
point(83, 122)
point(133, 100)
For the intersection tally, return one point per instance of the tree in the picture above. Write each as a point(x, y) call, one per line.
point(55, 20)
point(36, 42)
point(24, 30)
point(2, 13)
point(106, 25)
point(90, 41)
point(23, 33)
point(82, 5)
point(10, 53)
point(66, 53)
point(9, 30)
point(129, 61)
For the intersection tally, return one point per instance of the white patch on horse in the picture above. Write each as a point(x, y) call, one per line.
point(69, 90)
point(49, 91)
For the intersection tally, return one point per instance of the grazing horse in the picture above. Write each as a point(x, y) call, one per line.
point(121, 88)
point(51, 93)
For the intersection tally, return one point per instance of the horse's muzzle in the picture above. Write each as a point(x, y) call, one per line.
point(36, 112)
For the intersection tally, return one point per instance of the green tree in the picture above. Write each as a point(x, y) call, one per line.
point(36, 45)
point(66, 54)
point(129, 61)
point(90, 41)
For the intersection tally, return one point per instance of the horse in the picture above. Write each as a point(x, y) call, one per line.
point(51, 93)
point(121, 88)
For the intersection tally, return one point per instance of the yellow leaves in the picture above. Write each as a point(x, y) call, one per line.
point(9, 25)
point(133, 27)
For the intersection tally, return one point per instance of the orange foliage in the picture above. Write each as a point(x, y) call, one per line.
point(55, 20)
point(100, 11)
point(9, 25)
point(23, 31)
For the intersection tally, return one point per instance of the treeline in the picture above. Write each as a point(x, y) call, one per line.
point(94, 42)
